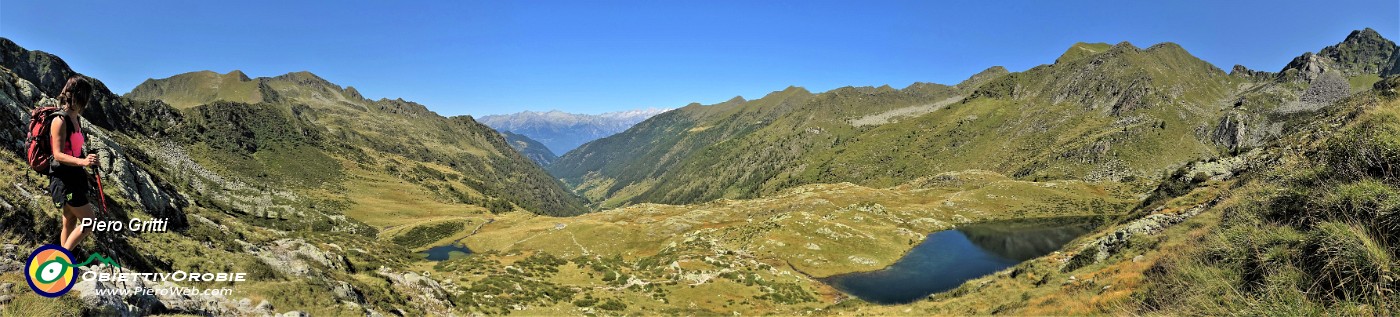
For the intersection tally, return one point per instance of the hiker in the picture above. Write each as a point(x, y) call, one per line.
point(69, 181)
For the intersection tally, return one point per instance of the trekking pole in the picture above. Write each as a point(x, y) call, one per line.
point(103, 214)
point(98, 176)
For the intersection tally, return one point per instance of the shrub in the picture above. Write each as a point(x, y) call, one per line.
point(612, 304)
point(1370, 148)
point(422, 235)
point(585, 302)
point(1363, 200)
point(1347, 263)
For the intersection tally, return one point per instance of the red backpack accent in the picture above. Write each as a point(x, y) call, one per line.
point(39, 151)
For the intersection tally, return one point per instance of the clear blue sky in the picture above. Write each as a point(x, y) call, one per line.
point(506, 56)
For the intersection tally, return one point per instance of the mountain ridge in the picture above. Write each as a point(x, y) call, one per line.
point(374, 133)
point(561, 132)
point(1107, 81)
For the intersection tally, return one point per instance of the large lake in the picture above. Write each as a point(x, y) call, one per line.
point(950, 257)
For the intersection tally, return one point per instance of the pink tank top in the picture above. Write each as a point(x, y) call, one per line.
point(75, 141)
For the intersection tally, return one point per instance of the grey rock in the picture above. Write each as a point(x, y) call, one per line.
point(1102, 248)
point(5, 299)
point(342, 290)
point(428, 294)
point(289, 256)
point(6, 288)
point(294, 313)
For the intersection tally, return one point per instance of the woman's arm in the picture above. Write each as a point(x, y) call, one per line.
point(56, 138)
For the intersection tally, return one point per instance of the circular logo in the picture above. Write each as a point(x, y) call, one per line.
point(50, 271)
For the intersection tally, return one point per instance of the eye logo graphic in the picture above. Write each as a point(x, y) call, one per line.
point(50, 271)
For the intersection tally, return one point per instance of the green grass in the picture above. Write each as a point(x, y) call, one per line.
point(1363, 82)
point(295, 130)
point(1310, 235)
point(1125, 113)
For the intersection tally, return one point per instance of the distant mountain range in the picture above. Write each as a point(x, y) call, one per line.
point(561, 132)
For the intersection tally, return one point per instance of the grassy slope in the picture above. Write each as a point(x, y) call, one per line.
point(330, 123)
point(1107, 113)
point(1310, 229)
point(759, 255)
point(197, 88)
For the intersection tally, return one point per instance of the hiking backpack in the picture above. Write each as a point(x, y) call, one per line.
point(39, 151)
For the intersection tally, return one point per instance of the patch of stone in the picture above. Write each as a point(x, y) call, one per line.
point(1102, 248)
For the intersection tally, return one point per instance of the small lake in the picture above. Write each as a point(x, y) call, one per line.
point(948, 258)
point(446, 252)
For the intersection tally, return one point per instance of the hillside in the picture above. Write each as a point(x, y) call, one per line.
point(530, 148)
point(1099, 113)
point(1111, 113)
point(299, 129)
point(289, 239)
point(562, 132)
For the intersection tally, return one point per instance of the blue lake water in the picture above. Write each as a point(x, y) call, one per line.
point(446, 252)
point(948, 258)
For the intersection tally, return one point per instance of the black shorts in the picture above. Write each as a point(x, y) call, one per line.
point(69, 184)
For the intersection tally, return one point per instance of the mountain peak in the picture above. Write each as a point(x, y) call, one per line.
point(238, 74)
point(792, 90)
point(1364, 35)
point(1165, 46)
point(1080, 50)
point(983, 76)
point(1125, 46)
point(1362, 52)
point(302, 76)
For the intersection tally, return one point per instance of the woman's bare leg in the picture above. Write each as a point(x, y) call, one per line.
point(68, 223)
point(78, 233)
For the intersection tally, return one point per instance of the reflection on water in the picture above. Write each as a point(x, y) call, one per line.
point(948, 258)
point(446, 252)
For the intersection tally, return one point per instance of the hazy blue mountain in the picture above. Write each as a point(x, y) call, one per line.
point(562, 132)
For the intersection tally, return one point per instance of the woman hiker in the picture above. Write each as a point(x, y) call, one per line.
point(69, 180)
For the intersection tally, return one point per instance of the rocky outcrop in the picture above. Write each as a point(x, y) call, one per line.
point(1245, 72)
point(1306, 67)
point(1108, 245)
point(428, 294)
point(296, 257)
point(1231, 131)
point(1362, 52)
